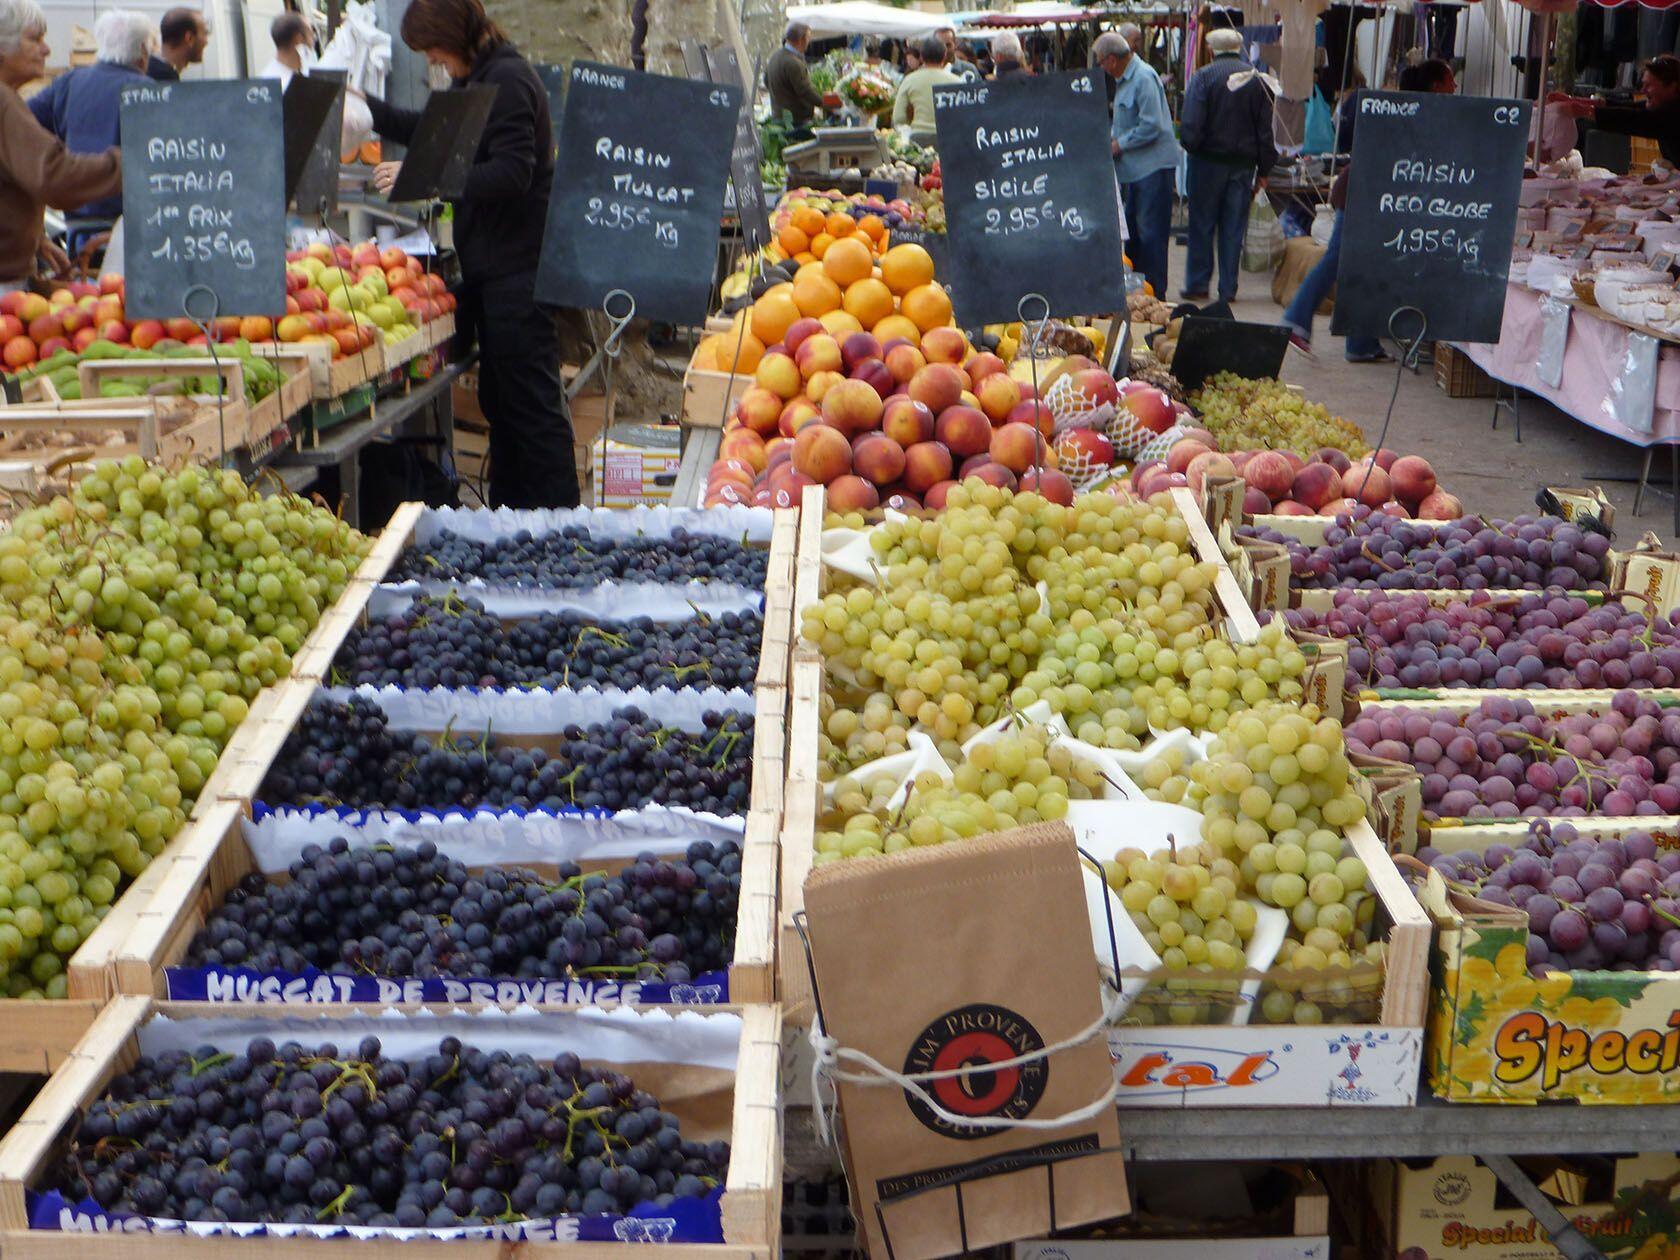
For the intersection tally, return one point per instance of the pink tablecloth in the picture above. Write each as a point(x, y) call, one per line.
point(1591, 361)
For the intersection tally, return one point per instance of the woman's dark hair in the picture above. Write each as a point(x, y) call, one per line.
point(1665, 69)
point(1424, 76)
point(458, 26)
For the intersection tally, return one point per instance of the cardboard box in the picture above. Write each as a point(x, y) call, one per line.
point(638, 465)
point(1454, 1206)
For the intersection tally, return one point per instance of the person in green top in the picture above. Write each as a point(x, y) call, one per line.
point(913, 105)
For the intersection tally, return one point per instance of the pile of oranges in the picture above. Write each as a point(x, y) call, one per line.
point(850, 278)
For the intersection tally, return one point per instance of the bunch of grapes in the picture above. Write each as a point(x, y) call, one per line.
point(573, 558)
point(1101, 608)
point(447, 641)
point(347, 754)
point(1267, 415)
point(1503, 760)
point(1187, 903)
point(1591, 904)
point(1020, 778)
point(412, 911)
point(315, 1135)
point(1548, 640)
point(139, 614)
point(1374, 550)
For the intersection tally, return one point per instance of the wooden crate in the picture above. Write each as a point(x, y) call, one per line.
point(440, 330)
point(313, 659)
point(1459, 377)
point(751, 1205)
point(708, 396)
point(331, 377)
point(268, 414)
point(214, 857)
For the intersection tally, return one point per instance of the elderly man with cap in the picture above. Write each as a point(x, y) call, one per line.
point(1227, 134)
point(1145, 154)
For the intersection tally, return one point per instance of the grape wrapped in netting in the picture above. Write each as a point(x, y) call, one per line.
point(1374, 550)
point(1547, 640)
point(1503, 760)
point(347, 754)
point(412, 911)
point(573, 557)
point(1591, 904)
point(447, 641)
point(139, 615)
point(324, 1135)
point(1102, 609)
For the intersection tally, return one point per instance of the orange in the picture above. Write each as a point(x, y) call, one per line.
point(841, 224)
point(793, 239)
point(814, 293)
point(820, 243)
point(804, 256)
point(870, 301)
point(904, 267)
point(772, 314)
point(927, 305)
point(897, 326)
point(808, 220)
point(839, 323)
point(744, 349)
point(848, 261)
point(873, 226)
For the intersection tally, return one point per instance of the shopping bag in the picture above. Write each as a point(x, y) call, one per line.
point(1263, 242)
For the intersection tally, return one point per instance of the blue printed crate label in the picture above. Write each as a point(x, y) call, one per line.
point(244, 984)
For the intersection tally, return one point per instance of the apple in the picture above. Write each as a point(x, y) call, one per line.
point(821, 452)
point(1094, 385)
point(10, 326)
point(256, 328)
point(926, 464)
point(907, 421)
point(19, 352)
point(1052, 483)
point(852, 406)
point(111, 282)
point(879, 458)
point(964, 430)
point(44, 326)
point(1083, 451)
point(1151, 408)
point(114, 330)
point(364, 255)
point(391, 258)
point(998, 395)
point(52, 346)
point(146, 334)
point(84, 338)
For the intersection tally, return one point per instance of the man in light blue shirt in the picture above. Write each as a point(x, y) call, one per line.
point(1145, 155)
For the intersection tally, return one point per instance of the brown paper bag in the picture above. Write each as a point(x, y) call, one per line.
point(954, 957)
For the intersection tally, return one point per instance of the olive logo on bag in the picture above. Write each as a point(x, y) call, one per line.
point(972, 1037)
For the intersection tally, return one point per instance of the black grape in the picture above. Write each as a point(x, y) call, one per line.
point(201, 1136)
point(573, 557)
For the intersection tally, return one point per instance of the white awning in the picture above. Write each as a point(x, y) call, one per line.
point(860, 17)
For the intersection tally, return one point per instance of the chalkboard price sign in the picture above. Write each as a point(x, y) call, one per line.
point(745, 155)
point(204, 198)
point(1431, 211)
point(638, 191)
point(1031, 204)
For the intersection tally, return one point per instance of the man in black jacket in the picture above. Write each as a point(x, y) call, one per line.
point(499, 222)
point(788, 79)
point(1226, 132)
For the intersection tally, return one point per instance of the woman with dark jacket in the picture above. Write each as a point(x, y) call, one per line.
point(499, 222)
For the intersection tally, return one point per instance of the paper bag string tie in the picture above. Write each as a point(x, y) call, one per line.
point(830, 1053)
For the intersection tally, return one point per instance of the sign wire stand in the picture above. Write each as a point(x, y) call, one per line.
point(1039, 326)
point(612, 345)
point(204, 326)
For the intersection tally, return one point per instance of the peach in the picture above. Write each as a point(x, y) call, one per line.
point(745, 445)
point(938, 386)
point(1050, 483)
point(945, 345)
point(1438, 505)
point(791, 492)
point(926, 464)
point(1032, 411)
point(759, 410)
point(1182, 452)
point(994, 474)
point(1270, 473)
point(818, 353)
point(851, 493)
point(145, 334)
point(879, 458)
point(780, 375)
point(797, 331)
point(1385, 458)
point(934, 499)
point(114, 330)
point(1413, 478)
point(983, 365)
point(875, 374)
point(1296, 463)
point(1367, 484)
point(900, 501)
point(1334, 456)
point(964, 431)
point(998, 395)
point(1207, 439)
point(904, 361)
point(907, 421)
point(1316, 485)
point(796, 415)
point(857, 347)
point(816, 389)
point(1018, 447)
point(1255, 502)
point(852, 407)
point(821, 452)
point(1208, 464)
point(967, 467)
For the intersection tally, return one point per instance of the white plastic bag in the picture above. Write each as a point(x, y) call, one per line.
point(363, 52)
point(1263, 242)
point(1323, 224)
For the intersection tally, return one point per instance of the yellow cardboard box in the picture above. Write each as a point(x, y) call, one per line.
point(638, 464)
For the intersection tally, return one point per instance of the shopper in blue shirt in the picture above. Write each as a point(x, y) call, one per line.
point(83, 108)
point(1145, 154)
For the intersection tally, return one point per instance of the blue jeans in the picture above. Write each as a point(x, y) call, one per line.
point(1310, 296)
point(1219, 195)
point(1149, 207)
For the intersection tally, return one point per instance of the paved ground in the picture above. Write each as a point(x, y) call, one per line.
point(1487, 468)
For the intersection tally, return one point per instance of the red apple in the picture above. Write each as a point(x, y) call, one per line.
point(1152, 409)
point(1083, 452)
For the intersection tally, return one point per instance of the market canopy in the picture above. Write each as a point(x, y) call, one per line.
point(860, 17)
point(1037, 14)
